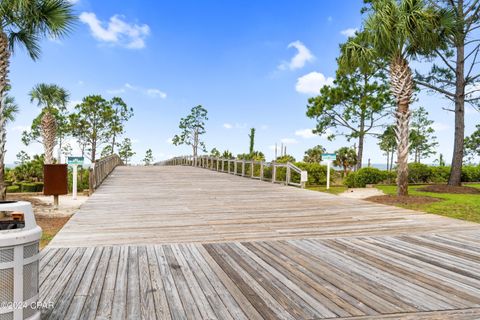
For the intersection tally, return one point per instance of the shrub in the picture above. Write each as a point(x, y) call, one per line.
point(471, 173)
point(38, 186)
point(364, 176)
point(13, 189)
point(317, 173)
point(419, 173)
point(8, 183)
point(440, 174)
point(29, 187)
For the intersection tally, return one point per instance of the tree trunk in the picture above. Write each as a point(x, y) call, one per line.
point(4, 65)
point(361, 139)
point(388, 160)
point(392, 153)
point(49, 128)
point(59, 152)
point(94, 151)
point(113, 144)
point(402, 88)
point(455, 178)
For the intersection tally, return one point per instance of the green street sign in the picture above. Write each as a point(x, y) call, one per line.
point(329, 156)
point(75, 160)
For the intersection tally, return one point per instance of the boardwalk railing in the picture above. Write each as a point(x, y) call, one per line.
point(101, 168)
point(286, 173)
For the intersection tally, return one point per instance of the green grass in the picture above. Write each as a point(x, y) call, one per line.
point(459, 206)
point(332, 190)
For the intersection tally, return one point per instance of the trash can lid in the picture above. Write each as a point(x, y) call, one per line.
point(20, 206)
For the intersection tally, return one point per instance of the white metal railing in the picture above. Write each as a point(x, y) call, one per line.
point(286, 173)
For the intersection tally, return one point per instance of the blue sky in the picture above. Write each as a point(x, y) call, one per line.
point(250, 63)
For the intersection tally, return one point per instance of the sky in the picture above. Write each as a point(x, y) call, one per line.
point(251, 64)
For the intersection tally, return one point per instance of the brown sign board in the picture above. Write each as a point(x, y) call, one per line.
point(55, 181)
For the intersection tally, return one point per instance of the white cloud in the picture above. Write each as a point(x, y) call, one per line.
point(312, 82)
point(350, 32)
point(169, 141)
point(305, 133)
point(155, 93)
point(116, 31)
point(73, 1)
point(234, 126)
point(151, 92)
point(300, 59)
point(288, 141)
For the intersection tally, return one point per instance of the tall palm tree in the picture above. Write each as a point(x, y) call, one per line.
point(398, 31)
point(51, 98)
point(8, 110)
point(23, 23)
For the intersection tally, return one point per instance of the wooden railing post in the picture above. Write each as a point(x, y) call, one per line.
point(274, 172)
point(252, 167)
point(261, 170)
point(234, 167)
point(243, 168)
point(287, 177)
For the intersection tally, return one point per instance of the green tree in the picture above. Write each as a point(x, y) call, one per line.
point(454, 73)
point(346, 158)
point(90, 123)
point(149, 159)
point(314, 155)
point(53, 100)
point(215, 153)
point(8, 110)
point(121, 114)
point(22, 157)
point(397, 31)
point(25, 24)
point(472, 144)
point(354, 105)
point(285, 158)
point(227, 155)
point(125, 151)
point(251, 137)
point(422, 139)
point(388, 144)
point(192, 126)
point(106, 151)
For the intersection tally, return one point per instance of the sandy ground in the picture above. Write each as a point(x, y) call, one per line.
point(361, 193)
point(67, 206)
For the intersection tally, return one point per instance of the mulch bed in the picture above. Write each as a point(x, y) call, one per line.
point(400, 200)
point(443, 188)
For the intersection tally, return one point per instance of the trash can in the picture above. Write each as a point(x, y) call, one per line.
point(19, 257)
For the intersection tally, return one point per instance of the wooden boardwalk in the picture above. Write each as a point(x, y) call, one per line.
point(188, 243)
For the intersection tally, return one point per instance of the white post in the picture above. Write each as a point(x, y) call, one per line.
point(328, 174)
point(74, 182)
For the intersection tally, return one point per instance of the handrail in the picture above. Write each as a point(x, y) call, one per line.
point(101, 169)
point(245, 168)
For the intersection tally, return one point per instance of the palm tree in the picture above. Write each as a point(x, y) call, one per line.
point(51, 98)
point(8, 110)
point(23, 23)
point(398, 31)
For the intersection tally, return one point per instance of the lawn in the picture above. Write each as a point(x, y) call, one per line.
point(459, 206)
point(332, 190)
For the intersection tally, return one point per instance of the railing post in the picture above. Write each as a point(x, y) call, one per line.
point(252, 166)
point(261, 170)
point(223, 165)
point(234, 167)
point(287, 177)
point(218, 165)
point(243, 168)
point(274, 172)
